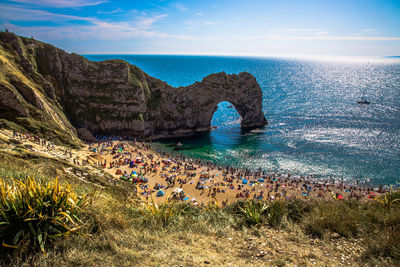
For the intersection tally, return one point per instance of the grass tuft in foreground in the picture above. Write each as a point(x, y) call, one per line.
point(389, 199)
point(32, 212)
point(160, 215)
point(253, 211)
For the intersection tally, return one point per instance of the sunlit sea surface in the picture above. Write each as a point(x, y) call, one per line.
point(315, 125)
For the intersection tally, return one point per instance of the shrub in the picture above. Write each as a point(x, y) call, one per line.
point(34, 211)
point(276, 212)
point(341, 218)
point(159, 215)
point(253, 211)
point(297, 209)
point(389, 199)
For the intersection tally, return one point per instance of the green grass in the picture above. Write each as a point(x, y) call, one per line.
point(33, 212)
point(253, 211)
point(389, 199)
point(159, 215)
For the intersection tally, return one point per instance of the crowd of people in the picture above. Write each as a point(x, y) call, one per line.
point(205, 181)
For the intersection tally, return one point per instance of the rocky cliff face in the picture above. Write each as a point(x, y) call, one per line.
point(48, 91)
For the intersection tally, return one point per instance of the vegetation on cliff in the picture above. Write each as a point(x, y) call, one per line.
point(26, 103)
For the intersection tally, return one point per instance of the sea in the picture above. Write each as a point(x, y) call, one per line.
point(315, 125)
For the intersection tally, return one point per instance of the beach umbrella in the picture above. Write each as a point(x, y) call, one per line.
point(261, 180)
point(160, 193)
point(177, 190)
point(244, 181)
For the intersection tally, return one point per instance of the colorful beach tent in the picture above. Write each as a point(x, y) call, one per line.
point(160, 193)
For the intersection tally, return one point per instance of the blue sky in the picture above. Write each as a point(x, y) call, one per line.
point(215, 27)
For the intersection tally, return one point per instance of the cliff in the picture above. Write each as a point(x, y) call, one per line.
point(49, 92)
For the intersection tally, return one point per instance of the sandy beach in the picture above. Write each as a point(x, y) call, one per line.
point(201, 182)
point(159, 177)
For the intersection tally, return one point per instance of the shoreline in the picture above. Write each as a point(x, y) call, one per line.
point(319, 178)
point(259, 184)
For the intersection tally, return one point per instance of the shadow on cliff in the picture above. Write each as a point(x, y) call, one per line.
point(192, 142)
point(208, 139)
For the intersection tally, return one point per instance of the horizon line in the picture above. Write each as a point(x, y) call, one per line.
point(314, 57)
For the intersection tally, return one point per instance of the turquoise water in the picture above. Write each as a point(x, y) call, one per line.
point(315, 125)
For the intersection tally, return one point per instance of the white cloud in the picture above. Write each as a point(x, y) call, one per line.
point(147, 22)
point(322, 38)
point(297, 30)
point(181, 7)
point(207, 22)
point(94, 28)
point(302, 30)
point(118, 10)
point(158, 6)
point(14, 13)
point(61, 3)
point(98, 30)
point(322, 33)
point(196, 24)
point(370, 30)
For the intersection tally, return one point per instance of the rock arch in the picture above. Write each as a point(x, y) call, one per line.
point(190, 109)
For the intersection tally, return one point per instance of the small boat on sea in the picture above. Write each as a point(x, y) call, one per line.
point(363, 101)
point(179, 144)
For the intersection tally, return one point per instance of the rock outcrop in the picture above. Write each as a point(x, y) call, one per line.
point(46, 90)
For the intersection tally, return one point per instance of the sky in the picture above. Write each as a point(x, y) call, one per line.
point(210, 27)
